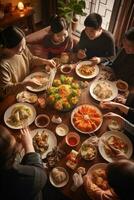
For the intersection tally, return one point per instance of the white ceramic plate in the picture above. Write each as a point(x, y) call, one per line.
point(29, 120)
point(88, 106)
point(112, 86)
point(52, 140)
point(119, 134)
point(64, 182)
point(94, 74)
point(34, 75)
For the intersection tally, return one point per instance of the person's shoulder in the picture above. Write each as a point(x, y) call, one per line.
point(107, 34)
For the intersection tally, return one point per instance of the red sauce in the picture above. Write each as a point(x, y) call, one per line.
point(42, 121)
point(72, 141)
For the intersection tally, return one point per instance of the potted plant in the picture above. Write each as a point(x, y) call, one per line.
point(69, 9)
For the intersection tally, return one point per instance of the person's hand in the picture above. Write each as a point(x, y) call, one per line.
point(51, 63)
point(26, 140)
point(118, 153)
point(81, 54)
point(95, 60)
point(108, 105)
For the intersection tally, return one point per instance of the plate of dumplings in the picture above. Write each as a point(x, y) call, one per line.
point(59, 177)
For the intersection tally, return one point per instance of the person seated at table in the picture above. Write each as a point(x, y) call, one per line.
point(26, 180)
point(16, 62)
point(95, 43)
point(58, 39)
point(120, 177)
point(123, 65)
point(99, 188)
point(20, 181)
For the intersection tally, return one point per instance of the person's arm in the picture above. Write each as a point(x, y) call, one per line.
point(114, 105)
point(36, 61)
point(127, 124)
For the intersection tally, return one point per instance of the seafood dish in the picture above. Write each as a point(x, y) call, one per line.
point(86, 118)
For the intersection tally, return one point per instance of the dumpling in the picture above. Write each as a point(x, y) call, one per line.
point(58, 176)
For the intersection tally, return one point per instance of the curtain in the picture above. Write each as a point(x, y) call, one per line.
point(125, 20)
point(49, 8)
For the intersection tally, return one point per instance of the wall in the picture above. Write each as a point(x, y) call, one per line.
point(35, 3)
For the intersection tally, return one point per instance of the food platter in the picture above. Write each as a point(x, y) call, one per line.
point(86, 70)
point(62, 183)
point(119, 141)
point(86, 118)
point(103, 90)
point(19, 113)
point(88, 150)
point(64, 93)
point(97, 175)
point(52, 140)
point(26, 96)
point(41, 77)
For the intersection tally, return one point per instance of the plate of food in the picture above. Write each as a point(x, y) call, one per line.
point(42, 80)
point(88, 151)
point(103, 90)
point(86, 70)
point(44, 141)
point(19, 114)
point(86, 118)
point(117, 140)
point(97, 174)
point(59, 177)
point(64, 93)
point(26, 96)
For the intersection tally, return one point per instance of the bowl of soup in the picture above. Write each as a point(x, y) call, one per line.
point(42, 120)
point(72, 139)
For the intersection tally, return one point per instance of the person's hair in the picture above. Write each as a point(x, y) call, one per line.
point(120, 177)
point(93, 20)
point(57, 24)
point(10, 37)
point(7, 150)
point(129, 35)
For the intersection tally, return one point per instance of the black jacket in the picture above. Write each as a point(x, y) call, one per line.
point(23, 181)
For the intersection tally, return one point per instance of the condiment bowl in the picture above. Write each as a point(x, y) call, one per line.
point(66, 69)
point(61, 129)
point(42, 120)
point(72, 139)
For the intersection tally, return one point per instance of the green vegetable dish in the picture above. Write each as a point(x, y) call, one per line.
point(64, 93)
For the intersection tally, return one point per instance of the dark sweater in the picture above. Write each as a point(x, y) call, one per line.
point(56, 49)
point(24, 181)
point(103, 46)
point(123, 67)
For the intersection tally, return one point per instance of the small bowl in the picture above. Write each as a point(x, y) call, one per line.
point(42, 120)
point(114, 125)
point(122, 85)
point(72, 139)
point(62, 129)
point(66, 69)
